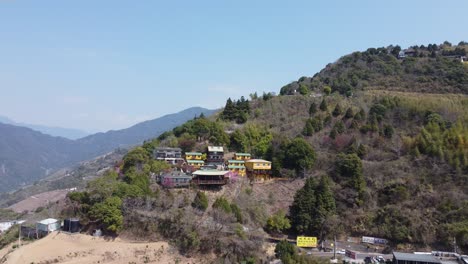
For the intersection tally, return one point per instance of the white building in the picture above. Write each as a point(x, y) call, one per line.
point(4, 226)
point(48, 225)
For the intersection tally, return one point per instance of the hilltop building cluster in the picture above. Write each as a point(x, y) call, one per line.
point(209, 169)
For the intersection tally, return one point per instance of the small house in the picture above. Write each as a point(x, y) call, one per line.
point(175, 179)
point(193, 156)
point(215, 154)
point(170, 155)
point(48, 225)
point(210, 177)
point(410, 52)
point(242, 156)
point(5, 226)
point(258, 169)
point(196, 163)
point(237, 167)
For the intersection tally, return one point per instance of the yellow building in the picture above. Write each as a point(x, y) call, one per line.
point(237, 166)
point(196, 163)
point(242, 156)
point(193, 156)
point(258, 169)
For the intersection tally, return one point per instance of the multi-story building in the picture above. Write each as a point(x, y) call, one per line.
point(258, 169)
point(196, 164)
point(170, 155)
point(237, 167)
point(242, 156)
point(193, 156)
point(175, 179)
point(215, 154)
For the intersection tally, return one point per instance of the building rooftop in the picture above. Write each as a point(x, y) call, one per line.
point(236, 167)
point(168, 149)
point(416, 257)
point(236, 161)
point(48, 221)
point(193, 153)
point(215, 149)
point(242, 154)
point(210, 173)
point(195, 161)
point(258, 161)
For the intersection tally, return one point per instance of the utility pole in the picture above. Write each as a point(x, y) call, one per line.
point(334, 247)
point(19, 236)
point(454, 244)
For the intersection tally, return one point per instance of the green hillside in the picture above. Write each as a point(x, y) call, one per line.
point(381, 140)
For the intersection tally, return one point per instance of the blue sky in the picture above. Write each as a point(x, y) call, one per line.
point(100, 65)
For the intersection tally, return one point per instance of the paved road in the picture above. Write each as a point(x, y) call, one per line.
point(359, 257)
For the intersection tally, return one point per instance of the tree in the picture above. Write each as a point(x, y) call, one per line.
point(223, 204)
point(253, 96)
point(323, 105)
point(299, 155)
point(201, 201)
point(313, 205)
point(333, 133)
point(187, 142)
point(396, 50)
point(238, 141)
point(229, 110)
point(361, 151)
point(108, 213)
point(349, 113)
point(285, 251)
point(278, 222)
point(158, 166)
point(361, 115)
point(303, 89)
point(308, 128)
point(312, 109)
point(337, 111)
point(388, 131)
point(327, 90)
point(325, 200)
point(136, 157)
point(350, 167)
point(378, 110)
point(339, 127)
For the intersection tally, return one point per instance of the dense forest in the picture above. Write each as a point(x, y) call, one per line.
point(379, 140)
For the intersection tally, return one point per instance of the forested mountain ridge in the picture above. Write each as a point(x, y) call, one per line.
point(27, 155)
point(431, 69)
point(384, 161)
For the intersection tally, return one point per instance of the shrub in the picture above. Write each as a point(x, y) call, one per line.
point(327, 90)
point(278, 222)
point(223, 204)
point(201, 201)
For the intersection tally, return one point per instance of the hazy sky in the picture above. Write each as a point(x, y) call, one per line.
point(99, 65)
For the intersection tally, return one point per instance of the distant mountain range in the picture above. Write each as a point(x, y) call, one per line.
point(69, 133)
point(27, 155)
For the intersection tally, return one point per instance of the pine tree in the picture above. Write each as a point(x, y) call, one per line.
point(337, 111)
point(325, 199)
point(302, 209)
point(229, 112)
point(349, 113)
point(323, 105)
point(350, 166)
point(308, 128)
point(312, 108)
point(312, 205)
